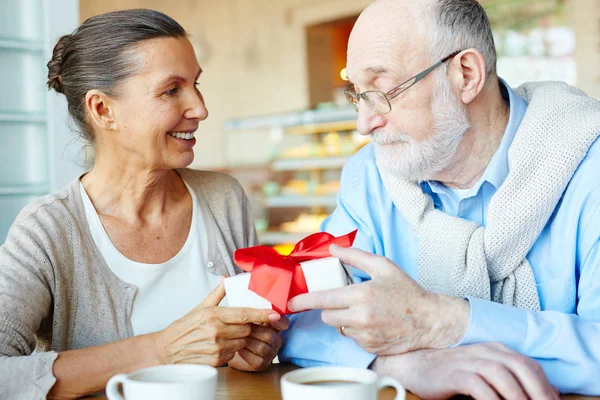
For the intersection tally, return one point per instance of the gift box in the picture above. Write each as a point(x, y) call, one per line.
point(272, 279)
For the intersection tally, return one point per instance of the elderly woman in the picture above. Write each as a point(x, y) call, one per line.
point(122, 268)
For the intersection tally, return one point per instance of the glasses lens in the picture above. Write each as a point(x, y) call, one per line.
point(352, 99)
point(377, 101)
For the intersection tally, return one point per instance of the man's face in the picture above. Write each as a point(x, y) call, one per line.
point(420, 135)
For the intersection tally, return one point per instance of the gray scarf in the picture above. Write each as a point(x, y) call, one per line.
point(461, 258)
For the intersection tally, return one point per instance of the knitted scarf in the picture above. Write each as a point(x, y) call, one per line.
point(461, 258)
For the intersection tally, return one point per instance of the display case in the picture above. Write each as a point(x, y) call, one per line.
point(308, 152)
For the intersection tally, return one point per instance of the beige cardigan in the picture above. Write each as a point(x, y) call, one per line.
point(57, 293)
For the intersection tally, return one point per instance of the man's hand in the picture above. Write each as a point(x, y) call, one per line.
point(390, 314)
point(482, 371)
point(261, 347)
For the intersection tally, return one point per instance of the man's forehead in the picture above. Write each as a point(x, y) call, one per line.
point(394, 63)
point(386, 39)
point(370, 72)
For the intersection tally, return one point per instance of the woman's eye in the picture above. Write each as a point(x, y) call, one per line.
point(173, 91)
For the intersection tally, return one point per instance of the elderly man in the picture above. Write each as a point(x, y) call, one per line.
point(486, 196)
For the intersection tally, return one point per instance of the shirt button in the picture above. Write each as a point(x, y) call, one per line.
point(128, 288)
point(210, 265)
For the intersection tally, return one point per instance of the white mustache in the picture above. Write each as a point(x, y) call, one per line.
point(385, 138)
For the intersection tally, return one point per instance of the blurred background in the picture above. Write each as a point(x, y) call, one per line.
point(273, 82)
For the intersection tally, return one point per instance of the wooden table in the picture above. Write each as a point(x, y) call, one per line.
point(236, 385)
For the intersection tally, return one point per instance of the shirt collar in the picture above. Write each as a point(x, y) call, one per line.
point(497, 170)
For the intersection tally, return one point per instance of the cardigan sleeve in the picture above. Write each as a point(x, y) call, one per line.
point(26, 279)
point(251, 238)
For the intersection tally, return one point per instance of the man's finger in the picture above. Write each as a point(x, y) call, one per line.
point(323, 299)
point(231, 315)
point(528, 372)
point(371, 264)
point(536, 385)
point(478, 388)
point(501, 379)
point(214, 297)
point(345, 317)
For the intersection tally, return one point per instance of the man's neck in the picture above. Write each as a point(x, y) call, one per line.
point(488, 117)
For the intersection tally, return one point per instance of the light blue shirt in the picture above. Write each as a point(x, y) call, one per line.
point(564, 337)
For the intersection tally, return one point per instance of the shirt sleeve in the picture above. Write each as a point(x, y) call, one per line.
point(25, 301)
point(566, 345)
point(309, 342)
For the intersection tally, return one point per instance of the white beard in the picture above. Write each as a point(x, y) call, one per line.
point(398, 153)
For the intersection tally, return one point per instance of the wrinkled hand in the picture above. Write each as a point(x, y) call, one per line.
point(261, 347)
point(483, 371)
point(209, 334)
point(390, 314)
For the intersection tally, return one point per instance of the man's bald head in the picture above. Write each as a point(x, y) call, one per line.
point(434, 27)
point(396, 42)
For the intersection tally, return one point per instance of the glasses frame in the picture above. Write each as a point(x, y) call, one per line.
point(354, 98)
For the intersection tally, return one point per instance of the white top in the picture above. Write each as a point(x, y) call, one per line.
point(166, 291)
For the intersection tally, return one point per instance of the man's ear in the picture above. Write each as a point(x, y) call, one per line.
point(99, 110)
point(468, 71)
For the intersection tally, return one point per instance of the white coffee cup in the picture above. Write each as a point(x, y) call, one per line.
point(326, 383)
point(180, 381)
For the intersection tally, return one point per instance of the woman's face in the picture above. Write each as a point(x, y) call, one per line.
point(157, 111)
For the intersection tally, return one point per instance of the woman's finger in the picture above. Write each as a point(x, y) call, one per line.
point(263, 333)
point(255, 361)
point(214, 297)
point(230, 315)
point(231, 345)
point(281, 325)
point(236, 331)
point(261, 349)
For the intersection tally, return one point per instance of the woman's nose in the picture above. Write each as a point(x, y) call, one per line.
point(197, 108)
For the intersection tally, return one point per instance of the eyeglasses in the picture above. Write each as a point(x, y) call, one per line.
point(379, 101)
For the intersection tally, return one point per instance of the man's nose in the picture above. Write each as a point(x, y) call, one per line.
point(368, 120)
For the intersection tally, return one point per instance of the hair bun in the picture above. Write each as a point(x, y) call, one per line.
point(55, 65)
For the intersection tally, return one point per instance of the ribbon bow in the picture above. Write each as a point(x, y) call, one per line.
point(278, 278)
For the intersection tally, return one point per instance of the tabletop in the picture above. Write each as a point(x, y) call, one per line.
point(237, 385)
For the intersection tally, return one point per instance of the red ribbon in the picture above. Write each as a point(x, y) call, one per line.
point(278, 278)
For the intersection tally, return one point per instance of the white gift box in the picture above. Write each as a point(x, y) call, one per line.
point(320, 274)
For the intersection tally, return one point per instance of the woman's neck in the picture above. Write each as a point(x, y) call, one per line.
point(132, 193)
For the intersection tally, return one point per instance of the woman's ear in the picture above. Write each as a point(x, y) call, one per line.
point(99, 110)
point(469, 74)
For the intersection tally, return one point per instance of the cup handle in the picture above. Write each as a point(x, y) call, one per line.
point(112, 387)
point(387, 381)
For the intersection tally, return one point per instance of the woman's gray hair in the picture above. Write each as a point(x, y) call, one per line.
point(100, 54)
point(461, 25)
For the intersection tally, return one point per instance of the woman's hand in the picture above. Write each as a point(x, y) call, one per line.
point(209, 334)
point(261, 347)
